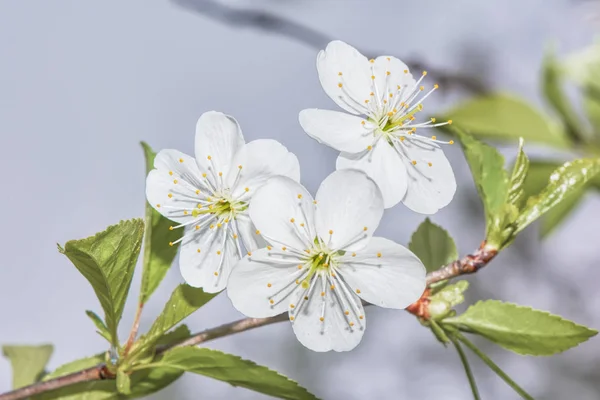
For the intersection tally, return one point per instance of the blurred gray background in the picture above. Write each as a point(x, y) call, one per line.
point(82, 82)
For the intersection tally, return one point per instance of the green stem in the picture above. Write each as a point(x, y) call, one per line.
point(465, 363)
point(493, 366)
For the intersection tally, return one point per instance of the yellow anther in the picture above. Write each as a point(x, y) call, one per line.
point(158, 206)
point(372, 76)
point(257, 232)
point(321, 256)
point(430, 164)
point(219, 225)
point(271, 301)
point(269, 285)
point(284, 248)
point(209, 157)
point(367, 101)
point(185, 212)
point(451, 142)
point(391, 95)
point(395, 111)
point(305, 297)
point(291, 318)
point(339, 73)
point(198, 250)
point(379, 255)
point(372, 94)
point(170, 195)
point(175, 181)
point(302, 224)
point(249, 253)
point(305, 284)
point(420, 107)
point(314, 202)
point(434, 138)
point(322, 319)
point(299, 196)
point(361, 317)
point(299, 266)
point(292, 220)
point(170, 243)
point(322, 294)
point(181, 160)
point(218, 252)
point(387, 72)
point(197, 191)
point(384, 101)
point(365, 229)
point(247, 189)
point(235, 236)
point(347, 312)
point(216, 273)
point(340, 85)
point(449, 122)
point(412, 118)
point(332, 287)
point(171, 228)
point(371, 61)
point(292, 306)
point(330, 232)
point(432, 119)
point(424, 73)
point(269, 248)
point(436, 86)
point(351, 324)
point(369, 147)
point(212, 226)
point(398, 87)
point(414, 162)
point(200, 205)
point(204, 175)
point(389, 59)
point(220, 174)
point(406, 71)
point(353, 254)
point(239, 167)
point(421, 88)
point(226, 220)
point(390, 114)
point(413, 130)
point(171, 173)
point(197, 227)
point(362, 122)
point(357, 290)
point(402, 138)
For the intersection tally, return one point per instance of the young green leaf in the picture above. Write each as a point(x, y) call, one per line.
point(567, 179)
point(102, 329)
point(552, 80)
point(158, 254)
point(521, 329)
point(107, 260)
point(515, 187)
point(501, 116)
point(556, 215)
point(184, 301)
point(491, 180)
point(123, 382)
point(433, 245)
point(28, 362)
point(233, 370)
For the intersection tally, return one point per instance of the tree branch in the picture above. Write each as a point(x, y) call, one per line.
point(469, 264)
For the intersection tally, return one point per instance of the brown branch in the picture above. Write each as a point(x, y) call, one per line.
point(134, 328)
point(469, 264)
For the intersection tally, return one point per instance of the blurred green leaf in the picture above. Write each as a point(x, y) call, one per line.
point(442, 302)
point(102, 329)
point(233, 370)
point(516, 191)
point(183, 302)
point(521, 329)
point(123, 382)
point(591, 105)
point(158, 254)
point(107, 260)
point(502, 116)
point(565, 181)
point(28, 362)
point(433, 245)
point(552, 81)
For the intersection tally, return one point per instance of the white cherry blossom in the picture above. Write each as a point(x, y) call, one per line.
point(208, 196)
point(322, 260)
point(378, 132)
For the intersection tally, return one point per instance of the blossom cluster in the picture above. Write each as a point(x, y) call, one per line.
point(250, 227)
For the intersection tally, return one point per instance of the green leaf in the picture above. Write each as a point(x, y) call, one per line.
point(570, 177)
point(183, 302)
point(552, 80)
point(123, 382)
point(442, 302)
point(233, 370)
point(555, 216)
point(28, 362)
point(491, 180)
point(158, 254)
point(502, 116)
point(102, 329)
point(516, 191)
point(433, 245)
point(521, 329)
point(74, 366)
point(107, 260)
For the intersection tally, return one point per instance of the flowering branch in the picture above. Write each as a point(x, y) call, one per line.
point(469, 264)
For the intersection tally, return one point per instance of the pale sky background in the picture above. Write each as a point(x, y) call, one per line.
point(82, 82)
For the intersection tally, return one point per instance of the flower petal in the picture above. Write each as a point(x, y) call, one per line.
point(385, 274)
point(220, 137)
point(392, 76)
point(247, 232)
point(349, 208)
point(260, 160)
point(384, 166)
point(430, 188)
point(205, 252)
point(171, 187)
point(256, 279)
point(341, 64)
point(334, 332)
point(279, 208)
point(339, 130)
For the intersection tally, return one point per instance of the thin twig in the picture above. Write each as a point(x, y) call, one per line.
point(466, 265)
point(134, 328)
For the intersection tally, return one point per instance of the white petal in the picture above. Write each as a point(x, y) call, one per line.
point(384, 166)
point(430, 188)
point(339, 130)
point(273, 208)
point(220, 137)
point(396, 279)
point(390, 74)
point(255, 279)
point(198, 268)
point(355, 78)
point(334, 332)
point(347, 203)
point(176, 174)
point(247, 232)
point(260, 160)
